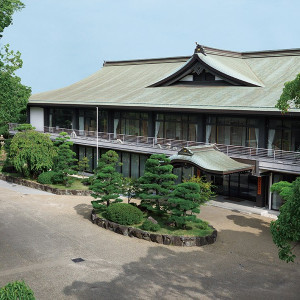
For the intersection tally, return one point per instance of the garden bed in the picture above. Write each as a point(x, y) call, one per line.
point(44, 187)
point(166, 239)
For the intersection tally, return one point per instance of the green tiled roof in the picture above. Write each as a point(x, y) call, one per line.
point(210, 159)
point(125, 84)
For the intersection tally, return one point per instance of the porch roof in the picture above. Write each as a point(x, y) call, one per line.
point(210, 159)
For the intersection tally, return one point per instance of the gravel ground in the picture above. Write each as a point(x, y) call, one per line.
point(40, 234)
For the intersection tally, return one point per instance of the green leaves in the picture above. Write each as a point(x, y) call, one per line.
point(290, 95)
point(65, 161)
point(16, 290)
point(31, 152)
point(107, 182)
point(286, 229)
point(7, 9)
point(157, 182)
point(186, 197)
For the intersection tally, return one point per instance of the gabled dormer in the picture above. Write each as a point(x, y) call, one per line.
point(204, 69)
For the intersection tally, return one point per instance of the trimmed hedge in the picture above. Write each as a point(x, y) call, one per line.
point(46, 177)
point(124, 214)
point(16, 290)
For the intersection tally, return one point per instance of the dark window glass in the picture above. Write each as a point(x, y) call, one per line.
point(134, 165)
point(126, 164)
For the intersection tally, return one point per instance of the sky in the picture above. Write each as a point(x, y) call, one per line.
point(63, 41)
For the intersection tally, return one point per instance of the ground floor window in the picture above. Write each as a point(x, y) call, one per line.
point(133, 164)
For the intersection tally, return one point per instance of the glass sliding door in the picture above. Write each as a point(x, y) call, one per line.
point(176, 126)
point(232, 131)
point(131, 123)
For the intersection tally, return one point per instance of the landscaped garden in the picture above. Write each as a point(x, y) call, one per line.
point(159, 204)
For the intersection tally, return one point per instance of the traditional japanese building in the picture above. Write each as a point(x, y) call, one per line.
point(213, 113)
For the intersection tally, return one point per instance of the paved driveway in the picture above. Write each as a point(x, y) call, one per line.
point(40, 234)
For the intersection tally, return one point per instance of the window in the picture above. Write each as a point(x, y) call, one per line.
point(131, 123)
point(176, 126)
point(232, 131)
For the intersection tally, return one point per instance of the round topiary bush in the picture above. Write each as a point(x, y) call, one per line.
point(124, 214)
point(46, 177)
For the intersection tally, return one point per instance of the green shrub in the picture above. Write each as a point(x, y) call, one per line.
point(16, 290)
point(87, 181)
point(58, 177)
point(149, 226)
point(46, 177)
point(124, 214)
point(201, 224)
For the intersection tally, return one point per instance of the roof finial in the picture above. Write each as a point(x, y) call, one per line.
point(199, 49)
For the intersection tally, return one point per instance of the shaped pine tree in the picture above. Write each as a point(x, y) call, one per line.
point(184, 199)
point(157, 182)
point(107, 182)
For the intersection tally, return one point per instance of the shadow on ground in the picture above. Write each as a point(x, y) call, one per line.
point(205, 273)
point(84, 210)
point(245, 221)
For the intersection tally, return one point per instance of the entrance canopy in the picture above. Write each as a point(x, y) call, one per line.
point(210, 159)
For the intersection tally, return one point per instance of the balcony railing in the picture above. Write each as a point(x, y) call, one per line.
point(172, 145)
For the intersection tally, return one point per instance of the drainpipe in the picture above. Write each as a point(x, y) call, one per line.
point(270, 193)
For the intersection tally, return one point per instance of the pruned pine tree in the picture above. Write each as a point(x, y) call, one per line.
point(107, 182)
point(157, 183)
point(184, 201)
point(65, 161)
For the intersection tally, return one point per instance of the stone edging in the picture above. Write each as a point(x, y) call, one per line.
point(43, 187)
point(185, 241)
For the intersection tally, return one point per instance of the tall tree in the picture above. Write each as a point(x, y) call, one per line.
point(157, 182)
point(13, 95)
point(286, 229)
point(290, 95)
point(107, 182)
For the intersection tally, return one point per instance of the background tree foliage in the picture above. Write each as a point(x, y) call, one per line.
point(286, 229)
point(157, 182)
point(65, 162)
point(290, 95)
point(31, 153)
point(13, 95)
point(205, 188)
point(7, 9)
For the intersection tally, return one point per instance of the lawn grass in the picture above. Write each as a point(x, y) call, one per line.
point(76, 185)
point(192, 228)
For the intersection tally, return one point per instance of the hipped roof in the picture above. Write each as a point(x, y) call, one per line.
point(126, 83)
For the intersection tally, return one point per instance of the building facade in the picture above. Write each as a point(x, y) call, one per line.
point(213, 97)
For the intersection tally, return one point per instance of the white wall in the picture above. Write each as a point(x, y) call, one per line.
point(37, 118)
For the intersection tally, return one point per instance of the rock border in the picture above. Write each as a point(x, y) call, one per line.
point(165, 239)
point(43, 187)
